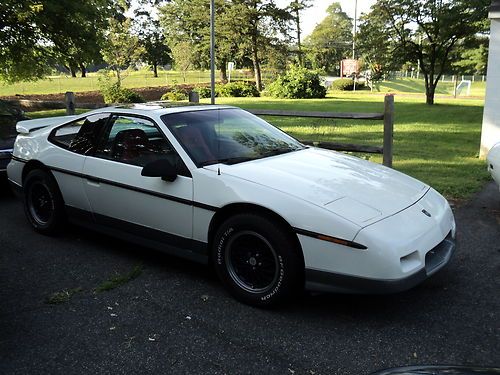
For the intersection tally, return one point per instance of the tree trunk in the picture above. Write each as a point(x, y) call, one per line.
point(83, 70)
point(430, 90)
point(72, 71)
point(155, 70)
point(118, 78)
point(297, 21)
point(256, 64)
point(223, 72)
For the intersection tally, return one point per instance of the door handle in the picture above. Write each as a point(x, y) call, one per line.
point(93, 182)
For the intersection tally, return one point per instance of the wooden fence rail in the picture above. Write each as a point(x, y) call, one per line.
point(387, 116)
point(70, 104)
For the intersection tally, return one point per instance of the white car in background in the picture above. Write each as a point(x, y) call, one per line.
point(493, 160)
point(219, 185)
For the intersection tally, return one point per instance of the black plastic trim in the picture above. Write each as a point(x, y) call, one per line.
point(141, 235)
point(333, 282)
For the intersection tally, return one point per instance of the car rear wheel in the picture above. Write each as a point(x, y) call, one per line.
point(43, 203)
point(257, 260)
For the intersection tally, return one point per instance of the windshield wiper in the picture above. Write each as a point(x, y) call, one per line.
point(229, 161)
point(279, 151)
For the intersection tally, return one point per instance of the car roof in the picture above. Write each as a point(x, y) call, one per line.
point(160, 108)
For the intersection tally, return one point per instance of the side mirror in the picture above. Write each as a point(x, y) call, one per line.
point(160, 168)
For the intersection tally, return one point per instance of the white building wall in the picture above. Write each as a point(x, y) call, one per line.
point(491, 118)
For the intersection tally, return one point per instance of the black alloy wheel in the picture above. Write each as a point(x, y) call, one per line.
point(43, 203)
point(258, 260)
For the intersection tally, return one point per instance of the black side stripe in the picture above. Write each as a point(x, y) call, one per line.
point(16, 158)
point(137, 189)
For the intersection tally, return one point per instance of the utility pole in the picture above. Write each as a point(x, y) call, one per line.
point(212, 51)
point(355, 29)
point(354, 40)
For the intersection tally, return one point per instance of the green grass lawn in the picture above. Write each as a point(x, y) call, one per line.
point(135, 79)
point(417, 86)
point(143, 78)
point(437, 144)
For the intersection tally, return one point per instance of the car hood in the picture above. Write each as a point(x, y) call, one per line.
point(358, 190)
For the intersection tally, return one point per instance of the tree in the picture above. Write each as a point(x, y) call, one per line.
point(264, 24)
point(120, 48)
point(184, 57)
point(296, 6)
point(35, 34)
point(330, 40)
point(377, 47)
point(428, 31)
point(187, 23)
point(472, 56)
point(152, 39)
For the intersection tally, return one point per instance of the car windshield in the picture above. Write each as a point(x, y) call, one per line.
point(227, 136)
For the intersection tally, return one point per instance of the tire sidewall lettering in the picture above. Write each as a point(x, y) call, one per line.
point(221, 245)
point(278, 283)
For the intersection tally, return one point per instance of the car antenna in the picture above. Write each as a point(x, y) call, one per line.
point(218, 142)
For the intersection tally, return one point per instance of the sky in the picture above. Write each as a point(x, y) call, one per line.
point(315, 15)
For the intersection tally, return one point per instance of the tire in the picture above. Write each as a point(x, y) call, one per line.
point(43, 203)
point(257, 261)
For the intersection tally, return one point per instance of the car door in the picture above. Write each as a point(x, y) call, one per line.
point(66, 158)
point(121, 198)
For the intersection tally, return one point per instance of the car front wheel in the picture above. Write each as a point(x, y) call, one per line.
point(257, 260)
point(43, 203)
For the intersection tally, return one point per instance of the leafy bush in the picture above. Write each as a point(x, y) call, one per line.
point(237, 89)
point(204, 91)
point(114, 93)
point(298, 83)
point(346, 84)
point(176, 94)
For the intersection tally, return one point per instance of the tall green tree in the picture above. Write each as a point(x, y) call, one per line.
point(428, 31)
point(296, 7)
point(152, 39)
point(36, 34)
point(264, 26)
point(471, 56)
point(120, 48)
point(330, 40)
point(188, 22)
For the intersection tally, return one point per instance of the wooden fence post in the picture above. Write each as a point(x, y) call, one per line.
point(388, 129)
point(194, 97)
point(69, 99)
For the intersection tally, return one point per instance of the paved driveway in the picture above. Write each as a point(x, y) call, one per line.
point(176, 318)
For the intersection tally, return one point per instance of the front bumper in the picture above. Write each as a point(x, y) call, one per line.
point(435, 259)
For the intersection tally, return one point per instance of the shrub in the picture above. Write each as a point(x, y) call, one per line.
point(204, 92)
point(237, 89)
point(114, 93)
point(346, 84)
point(298, 83)
point(176, 94)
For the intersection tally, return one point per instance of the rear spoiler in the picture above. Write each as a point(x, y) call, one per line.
point(27, 126)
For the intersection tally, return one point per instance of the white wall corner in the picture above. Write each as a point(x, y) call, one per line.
point(491, 118)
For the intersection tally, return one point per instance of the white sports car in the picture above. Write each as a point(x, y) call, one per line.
point(493, 160)
point(219, 185)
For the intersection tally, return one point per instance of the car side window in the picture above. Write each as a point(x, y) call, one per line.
point(137, 141)
point(80, 136)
